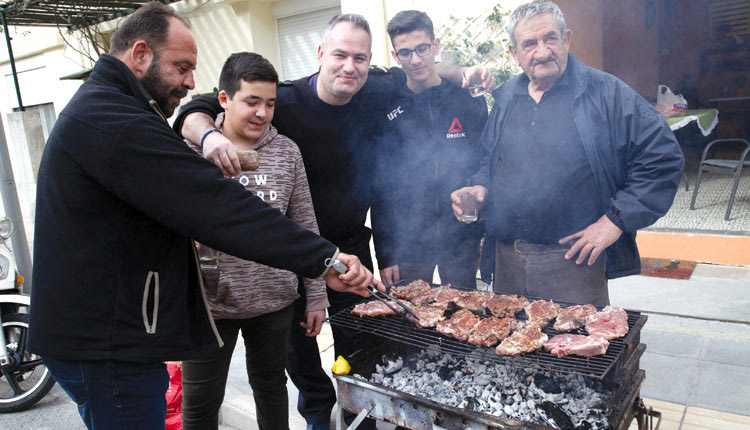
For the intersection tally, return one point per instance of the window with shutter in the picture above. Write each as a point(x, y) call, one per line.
point(299, 37)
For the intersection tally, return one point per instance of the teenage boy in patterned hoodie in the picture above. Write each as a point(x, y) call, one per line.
point(249, 296)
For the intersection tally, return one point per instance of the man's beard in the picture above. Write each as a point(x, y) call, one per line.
point(158, 89)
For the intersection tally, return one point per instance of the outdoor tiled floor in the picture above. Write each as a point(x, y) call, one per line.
point(710, 206)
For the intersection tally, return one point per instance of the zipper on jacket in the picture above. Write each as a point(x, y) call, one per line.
point(150, 327)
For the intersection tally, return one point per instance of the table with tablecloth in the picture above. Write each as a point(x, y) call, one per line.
point(705, 119)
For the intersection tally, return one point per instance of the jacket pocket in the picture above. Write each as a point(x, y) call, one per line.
point(153, 293)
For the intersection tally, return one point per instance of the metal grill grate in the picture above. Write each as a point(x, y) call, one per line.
point(400, 330)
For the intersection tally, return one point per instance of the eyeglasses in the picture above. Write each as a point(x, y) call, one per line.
point(421, 50)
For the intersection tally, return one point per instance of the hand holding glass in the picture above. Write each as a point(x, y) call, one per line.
point(470, 208)
point(475, 89)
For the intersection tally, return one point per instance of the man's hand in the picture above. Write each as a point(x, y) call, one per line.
point(390, 275)
point(314, 322)
point(479, 74)
point(355, 280)
point(478, 191)
point(216, 148)
point(220, 151)
point(593, 240)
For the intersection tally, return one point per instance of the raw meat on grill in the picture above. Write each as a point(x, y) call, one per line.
point(473, 300)
point(427, 297)
point(527, 338)
point(376, 308)
point(459, 325)
point(587, 346)
point(610, 323)
point(410, 290)
point(492, 330)
point(573, 317)
point(429, 316)
point(502, 305)
point(542, 311)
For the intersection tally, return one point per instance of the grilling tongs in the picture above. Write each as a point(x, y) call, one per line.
point(340, 267)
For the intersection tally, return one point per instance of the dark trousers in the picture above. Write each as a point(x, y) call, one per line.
point(541, 271)
point(115, 394)
point(204, 379)
point(317, 396)
point(457, 265)
point(316, 393)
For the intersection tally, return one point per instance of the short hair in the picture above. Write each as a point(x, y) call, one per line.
point(358, 21)
point(530, 10)
point(248, 67)
point(407, 21)
point(150, 23)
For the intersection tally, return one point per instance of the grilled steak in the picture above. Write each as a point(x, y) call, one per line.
point(492, 330)
point(542, 311)
point(610, 323)
point(459, 325)
point(587, 346)
point(410, 290)
point(376, 308)
point(573, 317)
point(528, 337)
point(427, 297)
point(448, 296)
point(429, 316)
point(503, 306)
point(473, 300)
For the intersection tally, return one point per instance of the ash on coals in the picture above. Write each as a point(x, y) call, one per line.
point(523, 394)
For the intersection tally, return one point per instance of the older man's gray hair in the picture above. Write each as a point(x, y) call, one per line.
point(358, 21)
point(530, 10)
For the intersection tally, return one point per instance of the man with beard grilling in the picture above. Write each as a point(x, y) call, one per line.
point(329, 115)
point(117, 288)
point(576, 163)
point(429, 146)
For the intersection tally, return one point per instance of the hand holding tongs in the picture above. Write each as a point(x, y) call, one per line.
point(340, 267)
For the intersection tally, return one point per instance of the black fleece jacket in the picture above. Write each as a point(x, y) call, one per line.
point(120, 199)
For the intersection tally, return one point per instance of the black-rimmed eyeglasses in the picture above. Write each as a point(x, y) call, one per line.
point(421, 50)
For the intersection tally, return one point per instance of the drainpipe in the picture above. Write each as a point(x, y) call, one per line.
point(12, 61)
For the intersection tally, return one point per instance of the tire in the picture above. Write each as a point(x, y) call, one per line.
point(31, 378)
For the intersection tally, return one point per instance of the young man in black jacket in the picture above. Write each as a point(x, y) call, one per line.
point(429, 146)
point(120, 199)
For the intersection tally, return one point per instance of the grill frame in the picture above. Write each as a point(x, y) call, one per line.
point(400, 330)
point(419, 412)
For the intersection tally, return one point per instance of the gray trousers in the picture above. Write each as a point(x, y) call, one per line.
point(541, 271)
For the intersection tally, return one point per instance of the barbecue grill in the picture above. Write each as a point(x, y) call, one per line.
point(617, 372)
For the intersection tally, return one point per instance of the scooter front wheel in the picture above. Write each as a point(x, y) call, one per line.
point(25, 380)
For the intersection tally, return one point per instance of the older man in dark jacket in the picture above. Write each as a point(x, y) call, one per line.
point(120, 199)
point(576, 163)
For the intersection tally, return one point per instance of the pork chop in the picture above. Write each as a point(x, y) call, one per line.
point(567, 344)
point(429, 316)
point(573, 317)
point(376, 308)
point(492, 330)
point(460, 325)
point(410, 290)
point(610, 323)
point(527, 338)
point(502, 305)
point(473, 300)
point(542, 311)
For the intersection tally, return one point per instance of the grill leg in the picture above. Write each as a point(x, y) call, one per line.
point(341, 425)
